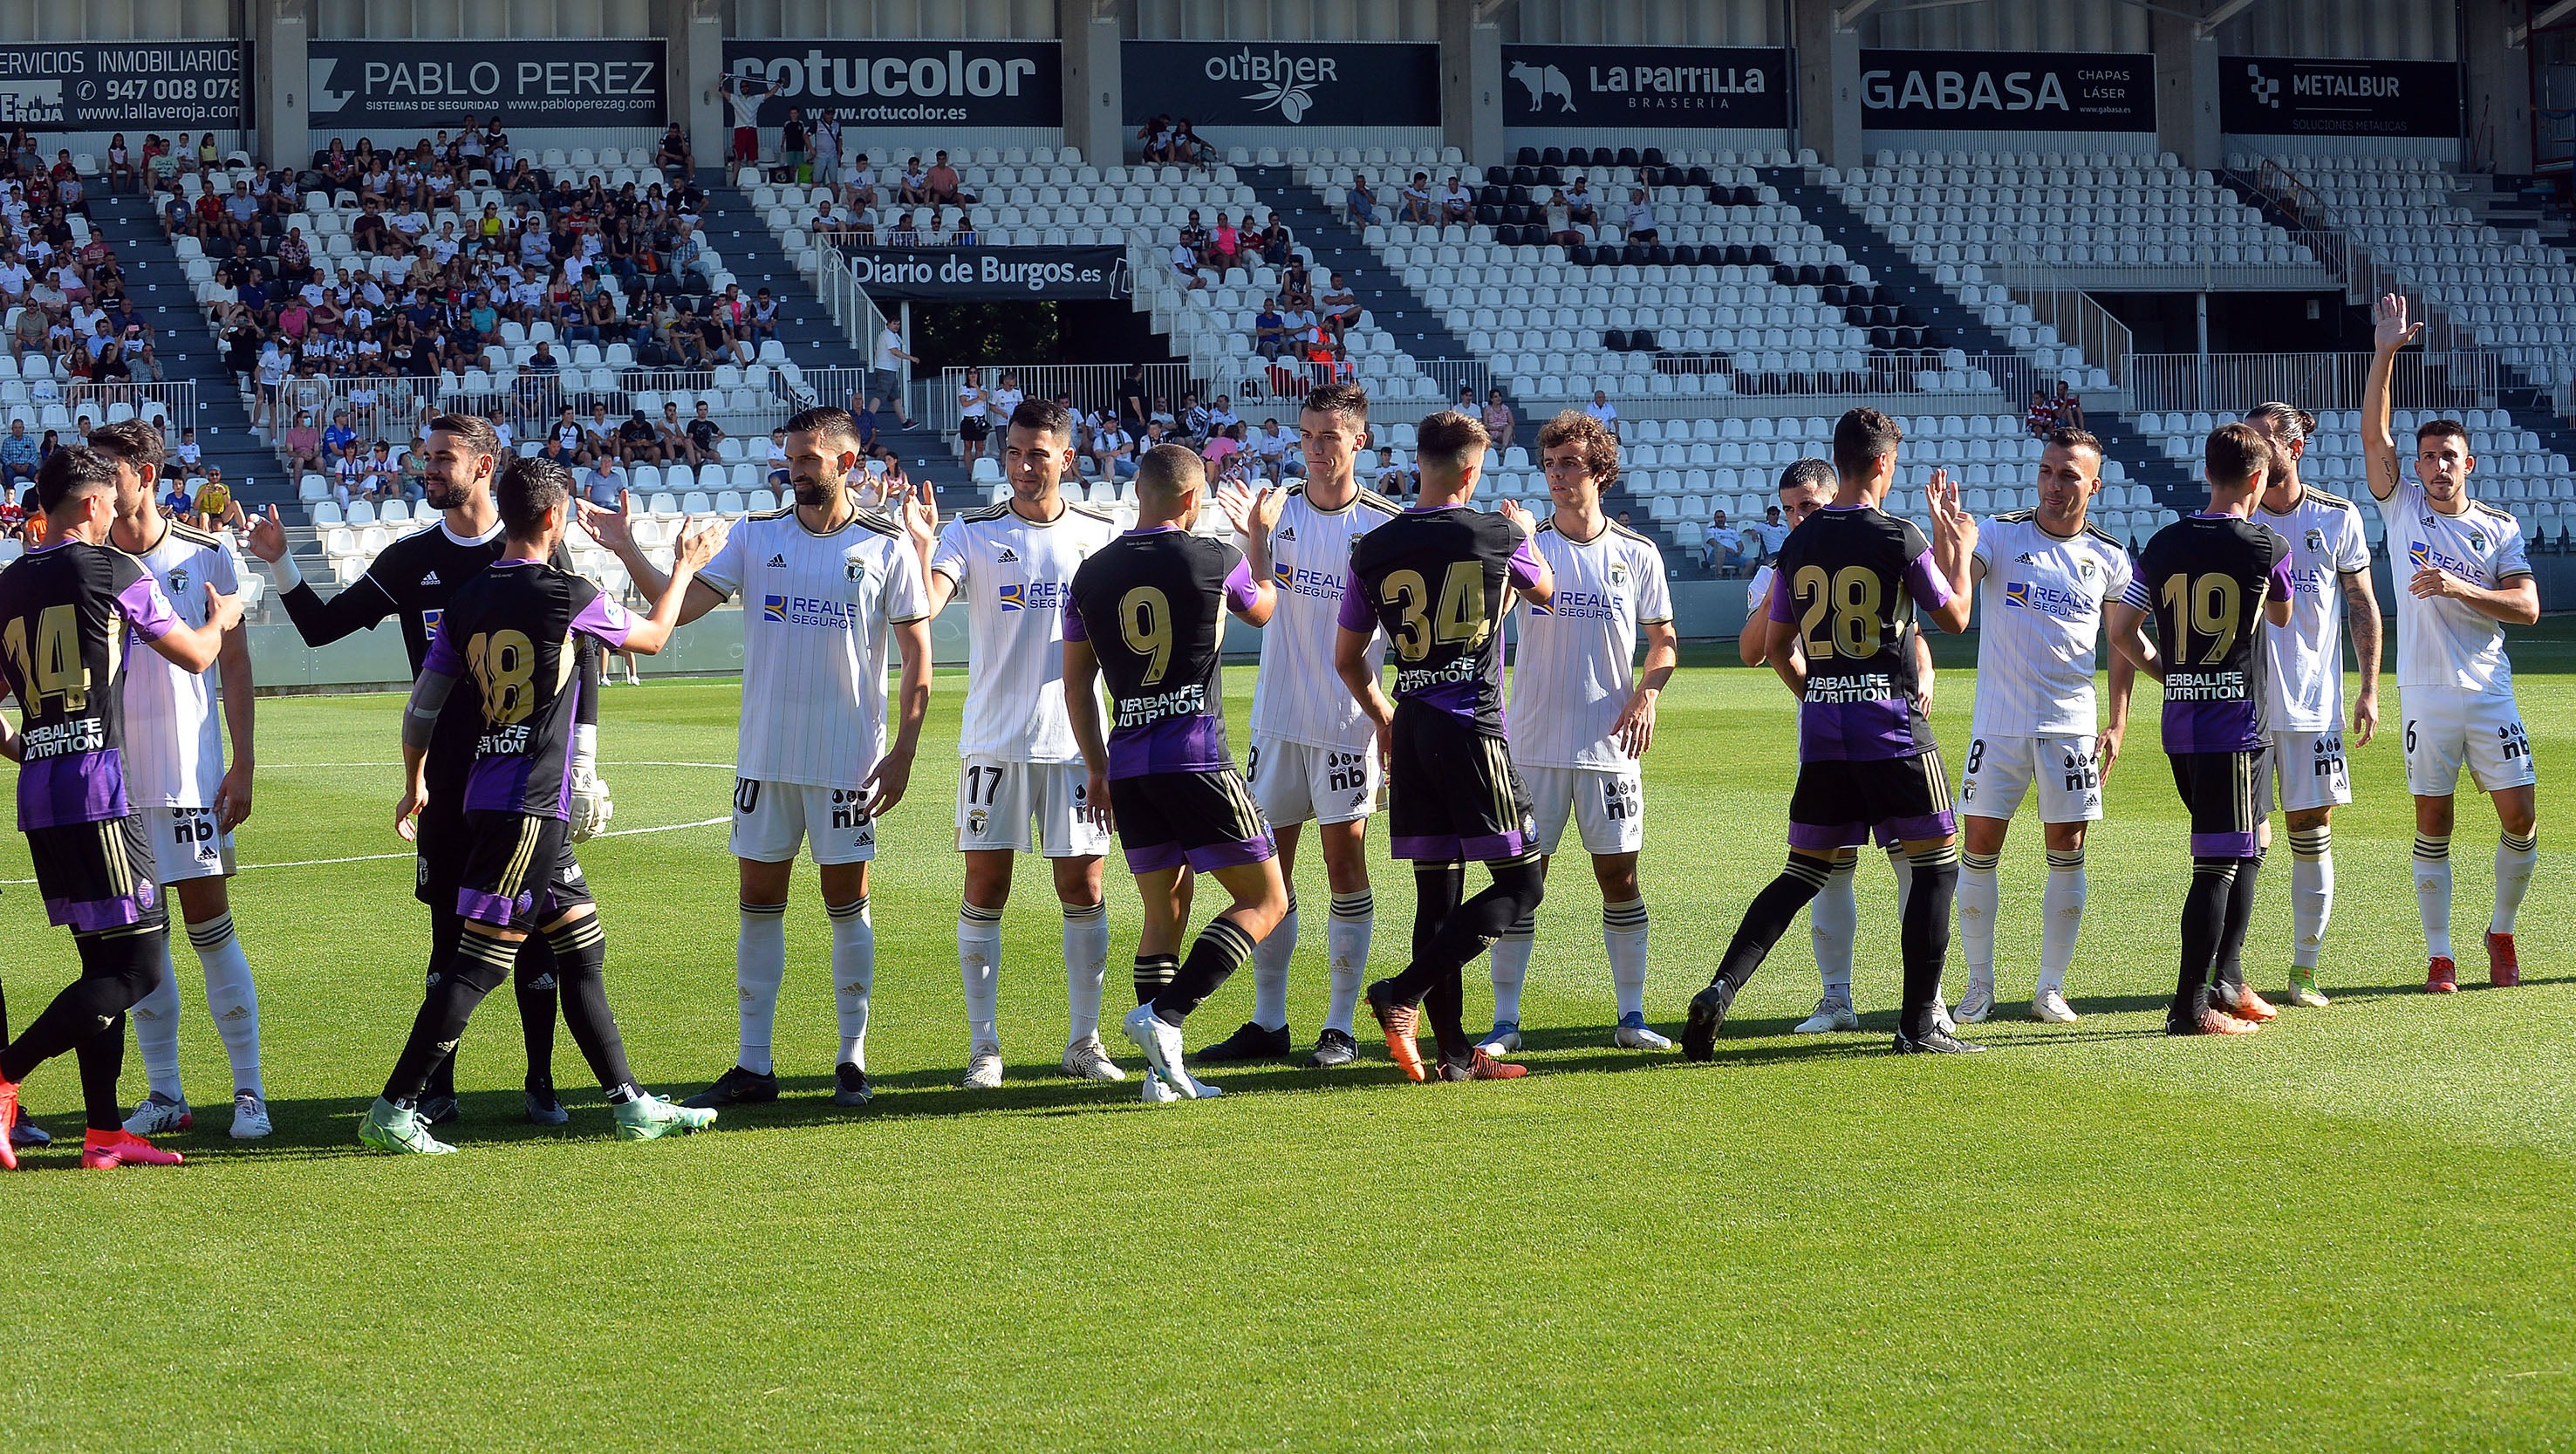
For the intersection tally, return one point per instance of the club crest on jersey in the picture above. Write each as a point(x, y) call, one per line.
point(2316, 540)
point(978, 821)
point(854, 568)
point(1619, 573)
point(179, 581)
point(2084, 569)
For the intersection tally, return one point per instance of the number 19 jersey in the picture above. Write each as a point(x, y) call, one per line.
point(2204, 578)
point(1848, 579)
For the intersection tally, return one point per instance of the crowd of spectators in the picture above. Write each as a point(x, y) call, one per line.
point(1730, 548)
point(2049, 413)
point(1162, 139)
point(915, 206)
point(76, 338)
point(1572, 215)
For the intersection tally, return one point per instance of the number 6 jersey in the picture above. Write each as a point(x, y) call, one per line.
point(1848, 579)
point(508, 633)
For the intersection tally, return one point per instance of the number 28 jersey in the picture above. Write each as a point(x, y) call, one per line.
point(2205, 578)
point(1848, 578)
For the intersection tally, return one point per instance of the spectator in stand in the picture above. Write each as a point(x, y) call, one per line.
point(777, 457)
point(30, 333)
point(1771, 531)
point(974, 417)
point(638, 442)
point(1006, 397)
point(176, 502)
point(1394, 480)
point(1132, 396)
point(791, 144)
point(912, 184)
point(1154, 139)
point(1192, 426)
point(1269, 330)
point(1340, 308)
point(1113, 452)
point(599, 433)
point(823, 140)
point(1187, 147)
point(1194, 236)
point(2068, 408)
point(1414, 202)
point(859, 184)
point(672, 155)
point(304, 447)
point(1560, 221)
point(563, 440)
point(1225, 245)
point(964, 234)
point(886, 370)
point(19, 456)
point(601, 484)
point(942, 185)
point(671, 436)
point(903, 233)
point(1273, 243)
point(1603, 410)
point(743, 94)
point(1361, 202)
point(706, 436)
point(1217, 448)
point(1641, 226)
point(1725, 546)
point(1455, 204)
point(120, 165)
point(1185, 266)
point(1221, 414)
point(1500, 424)
point(1279, 452)
point(2041, 417)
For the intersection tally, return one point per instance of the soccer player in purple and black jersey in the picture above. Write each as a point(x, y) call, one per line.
point(1438, 580)
point(1844, 598)
point(2211, 580)
point(66, 610)
point(1147, 612)
point(509, 634)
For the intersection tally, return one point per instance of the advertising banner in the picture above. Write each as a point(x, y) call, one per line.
point(2310, 96)
point(1638, 85)
point(953, 273)
point(906, 82)
point(419, 86)
point(1274, 83)
point(132, 86)
point(1995, 90)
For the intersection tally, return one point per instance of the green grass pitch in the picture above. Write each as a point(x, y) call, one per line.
point(2349, 1231)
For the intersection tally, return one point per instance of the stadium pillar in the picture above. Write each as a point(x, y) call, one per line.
point(2498, 85)
point(1095, 86)
point(2187, 85)
point(1828, 115)
point(279, 105)
point(693, 52)
point(1471, 83)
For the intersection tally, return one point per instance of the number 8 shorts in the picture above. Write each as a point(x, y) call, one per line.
point(2000, 770)
point(2446, 728)
point(1607, 804)
point(998, 801)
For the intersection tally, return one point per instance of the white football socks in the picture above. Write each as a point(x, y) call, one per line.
point(979, 966)
point(1346, 946)
point(854, 976)
point(2515, 859)
point(1270, 959)
point(234, 1003)
point(759, 964)
point(156, 1031)
point(1086, 967)
point(1833, 919)
point(2062, 902)
point(1980, 895)
point(2311, 893)
point(2433, 892)
point(1903, 868)
point(1623, 937)
point(1511, 955)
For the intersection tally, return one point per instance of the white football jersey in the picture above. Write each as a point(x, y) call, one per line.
point(2304, 682)
point(1757, 591)
point(2443, 643)
point(2039, 620)
point(1016, 575)
point(1297, 696)
point(174, 745)
point(1577, 659)
point(815, 610)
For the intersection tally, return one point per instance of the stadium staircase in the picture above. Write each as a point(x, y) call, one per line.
point(188, 351)
point(1952, 325)
point(752, 253)
point(1338, 247)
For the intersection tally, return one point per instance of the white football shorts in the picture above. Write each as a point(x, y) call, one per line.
point(998, 801)
point(186, 844)
point(770, 820)
point(2445, 728)
point(2306, 770)
point(1293, 782)
point(1999, 770)
point(1607, 805)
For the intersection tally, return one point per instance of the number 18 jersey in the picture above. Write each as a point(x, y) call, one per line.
point(508, 633)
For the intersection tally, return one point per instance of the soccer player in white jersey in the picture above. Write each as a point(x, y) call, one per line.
point(2466, 575)
point(2045, 575)
point(1314, 756)
point(2307, 775)
point(1833, 918)
point(1013, 562)
point(1582, 713)
point(190, 801)
point(824, 584)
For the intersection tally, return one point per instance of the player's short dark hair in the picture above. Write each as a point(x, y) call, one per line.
point(1449, 440)
point(527, 489)
point(1805, 473)
point(826, 421)
point(70, 472)
point(2237, 455)
point(130, 440)
point(474, 429)
point(1345, 399)
point(2289, 423)
point(2442, 429)
point(2069, 438)
point(1860, 438)
point(1600, 446)
point(1167, 472)
point(1043, 415)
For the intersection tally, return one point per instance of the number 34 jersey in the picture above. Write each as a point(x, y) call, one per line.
point(1848, 579)
point(1438, 581)
point(508, 633)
